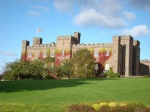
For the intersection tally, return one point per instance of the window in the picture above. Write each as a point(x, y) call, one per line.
point(96, 66)
point(29, 54)
point(106, 67)
point(52, 53)
point(107, 53)
point(62, 52)
point(36, 54)
point(45, 54)
point(95, 54)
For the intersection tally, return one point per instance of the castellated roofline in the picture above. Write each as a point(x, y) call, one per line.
point(91, 45)
point(123, 36)
point(65, 37)
point(44, 45)
point(136, 42)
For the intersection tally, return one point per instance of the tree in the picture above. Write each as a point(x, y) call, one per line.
point(111, 74)
point(21, 69)
point(49, 64)
point(83, 64)
point(15, 70)
point(66, 68)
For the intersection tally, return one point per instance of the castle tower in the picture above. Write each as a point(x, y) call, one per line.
point(115, 53)
point(37, 41)
point(77, 35)
point(127, 40)
point(25, 43)
point(136, 57)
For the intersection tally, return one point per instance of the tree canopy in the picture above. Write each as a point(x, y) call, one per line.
point(80, 66)
point(83, 63)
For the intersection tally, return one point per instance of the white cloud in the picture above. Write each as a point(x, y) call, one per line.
point(137, 31)
point(91, 17)
point(129, 15)
point(8, 53)
point(33, 13)
point(63, 5)
point(102, 13)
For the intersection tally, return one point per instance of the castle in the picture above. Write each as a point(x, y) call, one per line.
point(122, 55)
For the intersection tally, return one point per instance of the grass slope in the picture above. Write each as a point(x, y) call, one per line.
point(55, 95)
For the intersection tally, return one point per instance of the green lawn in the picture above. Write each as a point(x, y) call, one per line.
point(55, 95)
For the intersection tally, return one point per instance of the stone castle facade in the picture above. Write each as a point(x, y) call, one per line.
point(122, 55)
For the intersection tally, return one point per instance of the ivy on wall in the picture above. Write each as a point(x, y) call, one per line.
point(23, 56)
point(41, 54)
point(103, 56)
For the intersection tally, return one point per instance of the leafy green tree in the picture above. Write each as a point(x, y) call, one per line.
point(66, 69)
point(21, 69)
point(83, 64)
point(111, 74)
point(15, 70)
point(50, 66)
point(36, 69)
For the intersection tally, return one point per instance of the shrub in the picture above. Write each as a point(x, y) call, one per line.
point(108, 107)
point(111, 74)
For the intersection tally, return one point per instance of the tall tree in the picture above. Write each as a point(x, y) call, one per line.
point(83, 64)
point(66, 68)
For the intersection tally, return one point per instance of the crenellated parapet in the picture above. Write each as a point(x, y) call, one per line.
point(99, 45)
point(51, 45)
point(136, 42)
point(66, 37)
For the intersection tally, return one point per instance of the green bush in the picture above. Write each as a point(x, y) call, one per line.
point(111, 74)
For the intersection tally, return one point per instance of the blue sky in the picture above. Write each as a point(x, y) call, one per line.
point(97, 20)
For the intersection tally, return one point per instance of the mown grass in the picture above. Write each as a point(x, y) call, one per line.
point(55, 95)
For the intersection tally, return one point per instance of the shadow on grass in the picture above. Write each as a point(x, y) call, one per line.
point(30, 85)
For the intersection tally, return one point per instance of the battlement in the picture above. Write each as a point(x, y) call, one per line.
point(25, 43)
point(93, 45)
point(44, 45)
point(65, 37)
point(123, 37)
point(136, 42)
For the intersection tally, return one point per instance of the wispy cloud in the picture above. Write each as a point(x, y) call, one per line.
point(39, 7)
point(63, 5)
point(129, 15)
point(37, 10)
point(33, 13)
point(137, 31)
point(8, 53)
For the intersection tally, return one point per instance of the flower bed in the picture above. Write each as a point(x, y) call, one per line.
point(108, 107)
